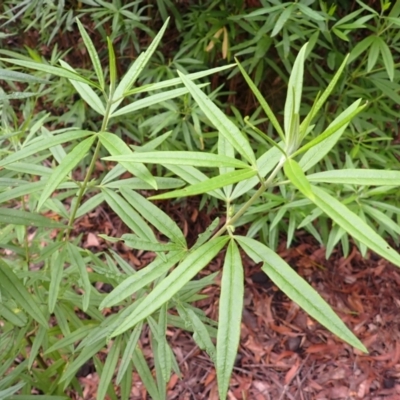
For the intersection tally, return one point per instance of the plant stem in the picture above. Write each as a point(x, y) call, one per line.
point(89, 171)
point(264, 186)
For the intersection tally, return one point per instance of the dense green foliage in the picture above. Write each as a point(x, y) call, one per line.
point(297, 130)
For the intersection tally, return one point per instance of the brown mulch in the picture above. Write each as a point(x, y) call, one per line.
point(284, 354)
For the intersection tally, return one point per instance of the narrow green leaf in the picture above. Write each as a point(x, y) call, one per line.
point(112, 66)
point(201, 336)
point(177, 81)
point(230, 316)
point(293, 98)
point(70, 161)
point(37, 343)
point(36, 397)
point(92, 53)
point(86, 92)
point(43, 143)
point(88, 351)
point(128, 215)
point(158, 218)
point(373, 53)
point(340, 122)
point(75, 258)
point(296, 175)
point(194, 158)
point(62, 72)
point(9, 216)
point(365, 177)
point(170, 285)
point(224, 125)
point(297, 289)
point(262, 102)
point(9, 75)
point(109, 369)
point(282, 19)
point(387, 59)
point(353, 225)
point(128, 352)
point(135, 282)
point(10, 284)
point(209, 185)
point(163, 349)
point(151, 100)
point(135, 242)
point(145, 374)
point(321, 101)
point(137, 67)
point(56, 268)
point(117, 148)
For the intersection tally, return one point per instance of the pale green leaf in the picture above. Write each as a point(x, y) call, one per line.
point(43, 143)
point(9, 75)
point(128, 215)
point(62, 72)
point(224, 125)
point(13, 286)
point(297, 289)
point(92, 53)
point(137, 67)
point(365, 177)
point(170, 285)
point(86, 92)
point(262, 102)
point(109, 369)
point(146, 275)
point(10, 216)
point(70, 161)
point(209, 185)
point(354, 225)
point(293, 98)
point(128, 352)
point(151, 100)
point(230, 316)
point(117, 147)
point(158, 218)
point(194, 158)
point(296, 175)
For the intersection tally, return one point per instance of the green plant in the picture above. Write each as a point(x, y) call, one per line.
point(42, 283)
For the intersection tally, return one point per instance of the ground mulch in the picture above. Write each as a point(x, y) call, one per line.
point(285, 354)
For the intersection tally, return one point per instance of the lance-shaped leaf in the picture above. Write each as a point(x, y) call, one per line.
point(294, 172)
point(263, 103)
point(9, 216)
point(158, 218)
point(151, 100)
point(194, 158)
point(293, 97)
point(322, 144)
point(136, 68)
point(297, 289)
point(70, 161)
point(109, 369)
point(92, 53)
point(62, 72)
point(142, 278)
point(224, 125)
point(170, 285)
point(8, 75)
point(128, 215)
point(86, 92)
point(322, 99)
point(365, 177)
point(209, 185)
point(11, 285)
point(43, 143)
point(117, 148)
point(345, 218)
point(230, 317)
